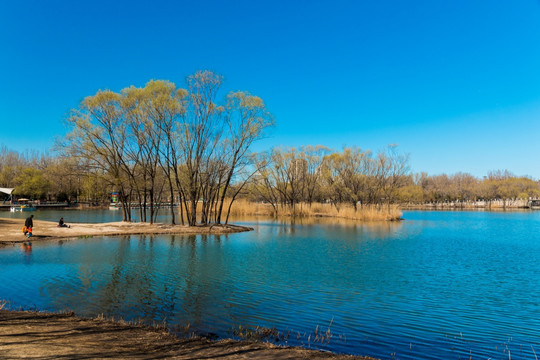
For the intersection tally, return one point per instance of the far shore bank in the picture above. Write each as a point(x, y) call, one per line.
point(25, 334)
point(499, 204)
point(11, 230)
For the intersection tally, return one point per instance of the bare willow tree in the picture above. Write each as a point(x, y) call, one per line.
point(283, 176)
point(392, 168)
point(115, 133)
point(351, 171)
point(11, 165)
point(314, 158)
point(199, 135)
point(166, 109)
point(245, 118)
point(99, 139)
point(214, 142)
point(159, 141)
point(150, 112)
point(264, 183)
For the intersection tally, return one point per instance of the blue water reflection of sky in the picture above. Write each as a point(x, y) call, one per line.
point(437, 285)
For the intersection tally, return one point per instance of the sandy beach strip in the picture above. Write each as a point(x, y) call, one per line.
point(11, 230)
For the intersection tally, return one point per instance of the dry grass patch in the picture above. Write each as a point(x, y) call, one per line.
point(345, 211)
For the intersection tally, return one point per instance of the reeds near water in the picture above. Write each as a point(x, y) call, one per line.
point(345, 211)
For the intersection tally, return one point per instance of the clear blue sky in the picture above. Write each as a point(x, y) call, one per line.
point(455, 83)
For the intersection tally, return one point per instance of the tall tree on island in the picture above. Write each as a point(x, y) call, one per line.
point(147, 139)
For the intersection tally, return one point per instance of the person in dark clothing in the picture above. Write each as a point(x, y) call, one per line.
point(61, 223)
point(28, 225)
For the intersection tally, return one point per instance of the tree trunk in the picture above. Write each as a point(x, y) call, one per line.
point(173, 220)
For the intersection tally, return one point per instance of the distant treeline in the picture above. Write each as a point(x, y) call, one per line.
point(285, 176)
point(162, 144)
point(316, 174)
point(461, 188)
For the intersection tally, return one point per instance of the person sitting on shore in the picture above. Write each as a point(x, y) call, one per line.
point(61, 223)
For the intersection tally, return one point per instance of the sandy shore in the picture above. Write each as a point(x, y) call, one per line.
point(35, 335)
point(11, 230)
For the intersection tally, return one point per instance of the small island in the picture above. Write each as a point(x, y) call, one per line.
point(48, 230)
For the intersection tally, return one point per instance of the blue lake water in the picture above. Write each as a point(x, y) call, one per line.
point(438, 285)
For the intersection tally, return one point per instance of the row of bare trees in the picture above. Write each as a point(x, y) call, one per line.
point(285, 177)
point(161, 139)
point(463, 188)
point(288, 176)
point(310, 174)
point(45, 177)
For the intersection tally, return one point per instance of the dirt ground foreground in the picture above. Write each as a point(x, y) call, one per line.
point(35, 335)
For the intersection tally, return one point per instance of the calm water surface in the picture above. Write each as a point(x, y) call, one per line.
point(438, 285)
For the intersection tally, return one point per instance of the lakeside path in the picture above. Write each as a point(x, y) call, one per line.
point(11, 230)
point(35, 335)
